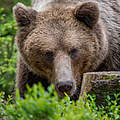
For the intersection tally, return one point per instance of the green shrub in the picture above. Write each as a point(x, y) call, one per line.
point(41, 105)
point(7, 53)
point(7, 45)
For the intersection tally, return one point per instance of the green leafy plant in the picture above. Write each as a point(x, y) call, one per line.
point(8, 50)
point(41, 105)
point(7, 53)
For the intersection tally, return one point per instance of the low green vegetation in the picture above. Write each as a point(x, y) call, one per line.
point(39, 104)
point(8, 50)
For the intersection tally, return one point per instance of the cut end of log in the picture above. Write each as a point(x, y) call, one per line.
point(101, 84)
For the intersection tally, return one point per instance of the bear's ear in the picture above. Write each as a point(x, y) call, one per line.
point(88, 13)
point(24, 15)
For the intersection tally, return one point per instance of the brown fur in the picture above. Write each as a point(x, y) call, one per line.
point(62, 43)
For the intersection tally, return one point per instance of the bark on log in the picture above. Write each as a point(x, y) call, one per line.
point(101, 84)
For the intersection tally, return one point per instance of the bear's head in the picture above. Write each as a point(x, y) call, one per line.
point(62, 43)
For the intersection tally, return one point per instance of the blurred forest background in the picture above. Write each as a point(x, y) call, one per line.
point(8, 52)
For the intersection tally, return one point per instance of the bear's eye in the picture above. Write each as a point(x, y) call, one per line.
point(49, 56)
point(74, 53)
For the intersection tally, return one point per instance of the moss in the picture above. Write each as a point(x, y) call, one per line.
point(110, 77)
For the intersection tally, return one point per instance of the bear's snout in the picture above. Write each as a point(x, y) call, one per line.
point(64, 79)
point(64, 87)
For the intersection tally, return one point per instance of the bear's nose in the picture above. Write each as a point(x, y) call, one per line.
point(65, 87)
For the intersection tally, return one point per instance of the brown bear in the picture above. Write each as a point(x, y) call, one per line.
point(59, 40)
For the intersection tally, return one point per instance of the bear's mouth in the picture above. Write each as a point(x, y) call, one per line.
point(63, 93)
point(76, 94)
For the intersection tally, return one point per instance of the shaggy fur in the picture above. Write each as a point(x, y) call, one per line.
point(65, 39)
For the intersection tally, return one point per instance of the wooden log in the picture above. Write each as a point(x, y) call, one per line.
point(101, 84)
